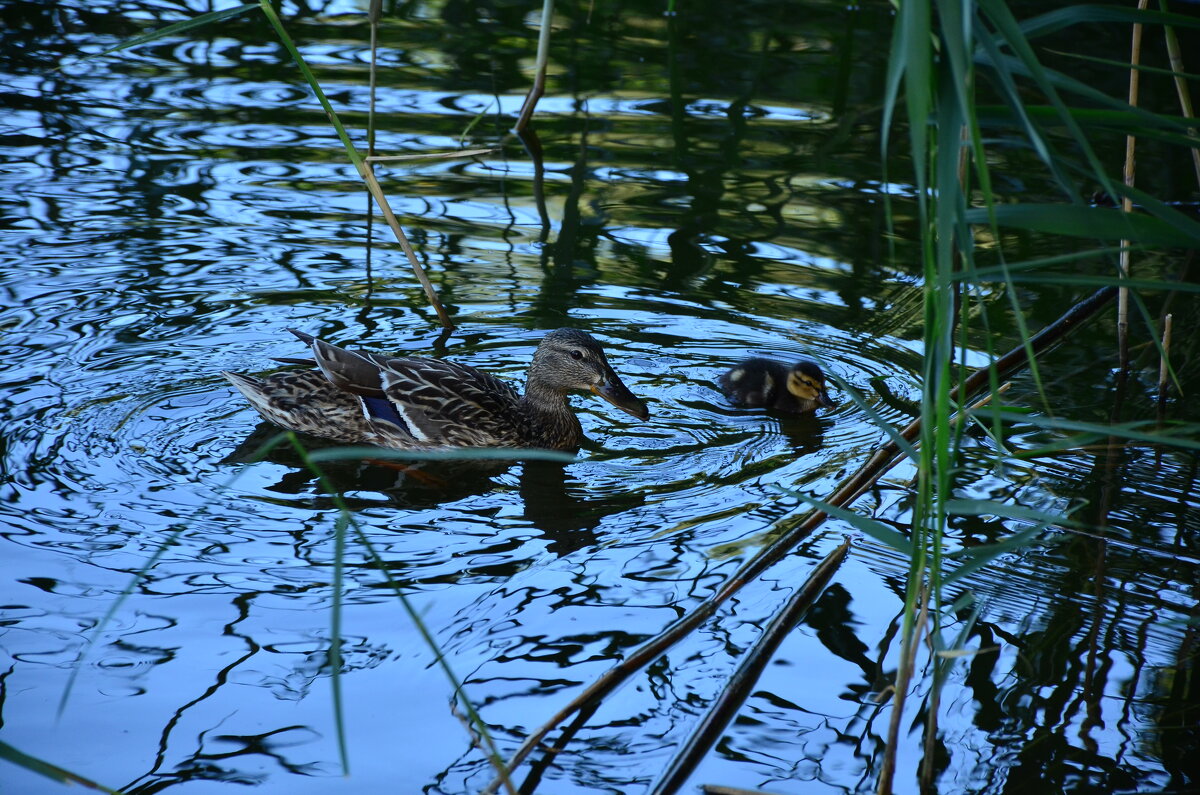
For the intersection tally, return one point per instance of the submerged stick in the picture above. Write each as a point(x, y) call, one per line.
point(883, 459)
point(1164, 364)
point(727, 704)
point(1164, 370)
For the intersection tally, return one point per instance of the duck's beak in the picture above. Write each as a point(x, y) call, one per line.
point(823, 400)
point(616, 393)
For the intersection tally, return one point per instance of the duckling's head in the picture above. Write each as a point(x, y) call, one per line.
point(568, 359)
point(806, 382)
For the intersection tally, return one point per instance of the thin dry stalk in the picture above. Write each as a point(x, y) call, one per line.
point(1164, 371)
point(433, 155)
point(725, 707)
point(1164, 366)
point(543, 58)
point(1181, 88)
point(850, 489)
point(368, 175)
point(373, 14)
point(1130, 170)
point(929, 757)
point(477, 743)
point(538, 768)
point(364, 170)
point(908, 657)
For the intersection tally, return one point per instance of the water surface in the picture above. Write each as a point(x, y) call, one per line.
point(710, 191)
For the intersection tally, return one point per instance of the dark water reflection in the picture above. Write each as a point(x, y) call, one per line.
point(710, 191)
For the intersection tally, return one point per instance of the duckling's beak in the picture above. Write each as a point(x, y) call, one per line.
point(616, 393)
point(823, 400)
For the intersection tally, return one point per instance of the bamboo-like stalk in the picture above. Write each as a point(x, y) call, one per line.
point(1130, 171)
point(882, 460)
point(543, 58)
point(724, 708)
point(1181, 87)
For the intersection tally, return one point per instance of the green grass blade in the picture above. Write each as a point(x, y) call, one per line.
point(1051, 79)
point(1062, 18)
point(1084, 280)
point(1173, 434)
point(878, 419)
point(968, 507)
point(1099, 223)
point(1000, 15)
point(167, 541)
point(1124, 66)
point(41, 767)
point(976, 558)
point(1164, 212)
point(178, 27)
point(346, 520)
point(335, 622)
point(311, 79)
point(867, 526)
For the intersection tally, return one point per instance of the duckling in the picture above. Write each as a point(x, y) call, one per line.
point(762, 383)
point(431, 404)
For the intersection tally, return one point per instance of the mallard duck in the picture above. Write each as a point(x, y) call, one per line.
point(429, 404)
point(762, 383)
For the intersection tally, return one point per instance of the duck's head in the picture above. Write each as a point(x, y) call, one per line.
point(807, 382)
point(568, 359)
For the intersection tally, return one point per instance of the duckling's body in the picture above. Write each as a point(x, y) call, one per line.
point(430, 404)
point(763, 383)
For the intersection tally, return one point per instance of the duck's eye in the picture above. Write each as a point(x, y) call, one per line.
point(576, 354)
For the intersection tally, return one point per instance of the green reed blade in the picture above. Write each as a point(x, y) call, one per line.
point(1092, 222)
point(1062, 18)
point(41, 767)
point(867, 526)
point(177, 27)
point(1172, 434)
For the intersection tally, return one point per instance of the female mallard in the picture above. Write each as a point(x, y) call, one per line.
point(762, 383)
point(429, 404)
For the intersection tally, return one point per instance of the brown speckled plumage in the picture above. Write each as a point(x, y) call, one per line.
point(430, 404)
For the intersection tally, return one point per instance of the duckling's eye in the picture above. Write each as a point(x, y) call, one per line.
point(576, 354)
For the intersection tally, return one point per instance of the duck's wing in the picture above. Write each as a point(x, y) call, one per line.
point(425, 402)
point(452, 404)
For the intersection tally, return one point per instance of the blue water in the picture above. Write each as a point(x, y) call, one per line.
point(170, 210)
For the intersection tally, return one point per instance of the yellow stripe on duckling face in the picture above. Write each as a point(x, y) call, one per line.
point(804, 386)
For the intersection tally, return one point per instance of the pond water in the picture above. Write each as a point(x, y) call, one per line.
point(711, 190)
